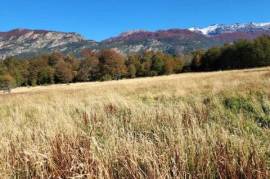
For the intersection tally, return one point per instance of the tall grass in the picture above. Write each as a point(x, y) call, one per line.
point(205, 125)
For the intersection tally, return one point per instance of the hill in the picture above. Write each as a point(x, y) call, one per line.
point(197, 125)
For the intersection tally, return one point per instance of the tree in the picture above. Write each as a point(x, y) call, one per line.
point(210, 58)
point(146, 63)
point(88, 69)
point(46, 75)
point(73, 62)
point(132, 71)
point(55, 58)
point(178, 64)
point(197, 60)
point(7, 82)
point(17, 69)
point(169, 65)
point(3, 68)
point(134, 65)
point(88, 53)
point(158, 63)
point(63, 73)
point(112, 64)
point(240, 54)
point(262, 50)
point(34, 68)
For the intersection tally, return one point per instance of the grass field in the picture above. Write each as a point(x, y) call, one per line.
point(193, 125)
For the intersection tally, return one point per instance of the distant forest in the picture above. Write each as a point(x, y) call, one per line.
point(111, 65)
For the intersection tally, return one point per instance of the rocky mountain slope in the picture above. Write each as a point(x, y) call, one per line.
point(25, 42)
point(30, 42)
point(171, 41)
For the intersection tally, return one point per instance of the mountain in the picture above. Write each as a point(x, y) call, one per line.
point(172, 41)
point(179, 41)
point(219, 29)
point(26, 42)
point(229, 33)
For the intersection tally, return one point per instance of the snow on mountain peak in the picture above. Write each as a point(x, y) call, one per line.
point(205, 30)
point(222, 28)
point(262, 24)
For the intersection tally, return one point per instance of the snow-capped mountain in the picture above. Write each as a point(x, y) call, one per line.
point(176, 41)
point(25, 42)
point(218, 29)
point(185, 40)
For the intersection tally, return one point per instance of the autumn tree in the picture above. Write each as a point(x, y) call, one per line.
point(112, 65)
point(55, 58)
point(178, 64)
point(88, 53)
point(88, 69)
point(7, 81)
point(34, 68)
point(63, 72)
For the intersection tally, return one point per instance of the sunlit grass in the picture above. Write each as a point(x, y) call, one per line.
point(204, 125)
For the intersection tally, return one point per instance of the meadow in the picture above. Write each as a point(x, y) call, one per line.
point(192, 125)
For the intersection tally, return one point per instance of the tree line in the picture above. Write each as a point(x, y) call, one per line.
point(94, 66)
point(111, 65)
point(238, 55)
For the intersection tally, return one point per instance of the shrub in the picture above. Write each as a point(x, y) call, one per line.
point(238, 104)
point(106, 77)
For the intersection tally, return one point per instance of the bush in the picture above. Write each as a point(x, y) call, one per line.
point(106, 77)
point(238, 104)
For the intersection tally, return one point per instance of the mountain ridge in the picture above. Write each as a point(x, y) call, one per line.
point(28, 42)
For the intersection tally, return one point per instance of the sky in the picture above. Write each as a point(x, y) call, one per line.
point(101, 19)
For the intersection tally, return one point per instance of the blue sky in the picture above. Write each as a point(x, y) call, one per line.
point(100, 19)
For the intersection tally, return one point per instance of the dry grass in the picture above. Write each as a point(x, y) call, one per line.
point(202, 125)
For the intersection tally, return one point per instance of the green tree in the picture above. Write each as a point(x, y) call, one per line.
point(46, 75)
point(262, 51)
point(197, 60)
point(134, 65)
point(17, 69)
point(158, 64)
point(132, 71)
point(210, 58)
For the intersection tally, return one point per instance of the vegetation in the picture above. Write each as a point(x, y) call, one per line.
point(141, 128)
point(101, 66)
point(6, 82)
point(241, 54)
point(111, 65)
